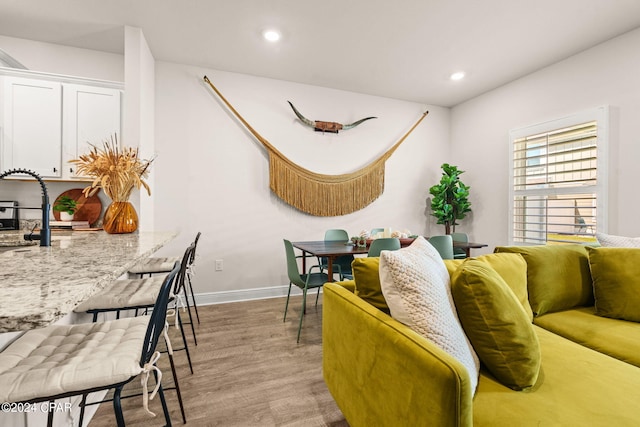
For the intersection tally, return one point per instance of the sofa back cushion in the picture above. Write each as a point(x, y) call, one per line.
point(416, 286)
point(366, 275)
point(497, 325)
point(610, 240)
point(558, 276)
point(511, 267)
point(616, 282)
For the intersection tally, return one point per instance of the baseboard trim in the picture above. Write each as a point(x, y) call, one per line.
point(222, 297)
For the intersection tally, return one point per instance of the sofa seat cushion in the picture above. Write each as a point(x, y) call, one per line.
point(496, 324)
point(558, 276)
point(62, 359)
point(616, 282)
point(577, 387)
point(617, 338)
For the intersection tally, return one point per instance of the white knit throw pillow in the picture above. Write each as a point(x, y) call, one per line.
point(417, 288)
point(618, 241)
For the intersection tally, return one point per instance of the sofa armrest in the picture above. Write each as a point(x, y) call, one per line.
point(380, 372)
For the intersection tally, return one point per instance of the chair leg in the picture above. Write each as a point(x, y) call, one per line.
point(165, 409)
point(193, 297)
point(117, 406)
point(83, 402)
point(193, 331)
point(184, 340)
point(317, 296)
point(286, 306)
point(175, 380)
point(50, 415)
point(304, 307)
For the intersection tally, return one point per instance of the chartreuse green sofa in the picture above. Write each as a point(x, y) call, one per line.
point(382, 373)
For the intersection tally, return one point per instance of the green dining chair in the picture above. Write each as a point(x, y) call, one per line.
point(342, 264)
point(444, 245)
point(303, 281)
point(383, 244)
point(336, 235)
point(459, 253)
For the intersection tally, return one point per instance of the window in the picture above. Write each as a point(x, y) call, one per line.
point(558, 174)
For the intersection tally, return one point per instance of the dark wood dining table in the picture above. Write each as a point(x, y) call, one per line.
point(331, 250)
point(467, 246)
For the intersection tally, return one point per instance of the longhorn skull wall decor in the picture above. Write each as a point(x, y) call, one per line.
point(332, 127)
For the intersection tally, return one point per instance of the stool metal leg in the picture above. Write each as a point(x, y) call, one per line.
point(165, 409)
point(175, 380)
point(184, 339)
point(50, 415)
point(83, 402)
point(117, 406)
point(193, 331)
point(193, 297)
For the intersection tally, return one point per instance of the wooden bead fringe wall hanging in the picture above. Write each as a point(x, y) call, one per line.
point(320, 194)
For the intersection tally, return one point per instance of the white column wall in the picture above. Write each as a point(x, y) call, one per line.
point(139, 116)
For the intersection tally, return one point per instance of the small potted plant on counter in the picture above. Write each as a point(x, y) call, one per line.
point(67, 208)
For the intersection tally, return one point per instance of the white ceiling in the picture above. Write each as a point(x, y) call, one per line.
point(404, 49)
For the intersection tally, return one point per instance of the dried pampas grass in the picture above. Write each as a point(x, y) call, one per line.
point(116, 170)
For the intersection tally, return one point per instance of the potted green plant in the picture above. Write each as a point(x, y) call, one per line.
point(67, 208)
point(450, 200)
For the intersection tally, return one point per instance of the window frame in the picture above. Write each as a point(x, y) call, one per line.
point(601, 116)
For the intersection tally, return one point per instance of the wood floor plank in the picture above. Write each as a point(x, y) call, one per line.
point(248, 371)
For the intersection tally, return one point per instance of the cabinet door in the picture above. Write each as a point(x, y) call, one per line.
point(32, 126)
point(91, 115)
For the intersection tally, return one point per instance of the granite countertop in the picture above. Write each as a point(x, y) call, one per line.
point(40, 285)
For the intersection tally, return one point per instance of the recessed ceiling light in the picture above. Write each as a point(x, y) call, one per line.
point(457, 76)
point(271, 35)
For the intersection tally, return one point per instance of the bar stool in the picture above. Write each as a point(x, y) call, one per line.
point(156, 265)
point(139, 294)
point(60, 361)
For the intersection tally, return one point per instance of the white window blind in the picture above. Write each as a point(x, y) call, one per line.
point(556, 173)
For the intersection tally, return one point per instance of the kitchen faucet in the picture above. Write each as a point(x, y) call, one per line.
point(45, 230)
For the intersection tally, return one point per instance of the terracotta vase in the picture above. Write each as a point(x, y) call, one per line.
point(120, 218)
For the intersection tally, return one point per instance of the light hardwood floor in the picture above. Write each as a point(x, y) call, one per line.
point(248, 371)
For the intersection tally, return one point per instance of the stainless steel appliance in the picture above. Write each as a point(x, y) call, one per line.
point(9, 216)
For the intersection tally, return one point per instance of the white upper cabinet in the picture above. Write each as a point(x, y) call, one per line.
point(32, 126)
point(91, 115)
point(47, 122)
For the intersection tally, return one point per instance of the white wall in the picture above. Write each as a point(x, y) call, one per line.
point(608, 74)
point(212, 175)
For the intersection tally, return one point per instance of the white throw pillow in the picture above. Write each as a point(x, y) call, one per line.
point(618, 241)
point(416, 285)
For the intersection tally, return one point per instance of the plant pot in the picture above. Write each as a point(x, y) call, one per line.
point(120, 218)
point(66, 216)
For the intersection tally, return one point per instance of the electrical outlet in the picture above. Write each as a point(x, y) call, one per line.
point(218, 265)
